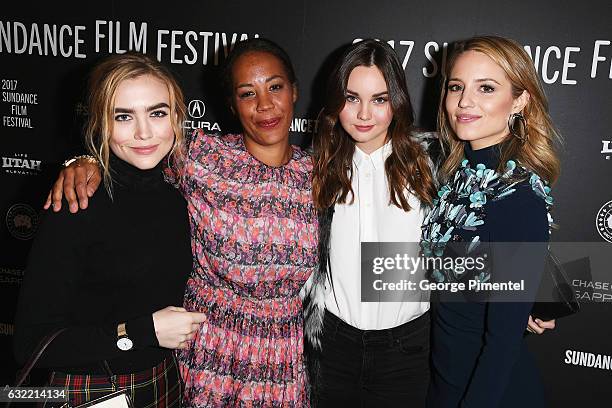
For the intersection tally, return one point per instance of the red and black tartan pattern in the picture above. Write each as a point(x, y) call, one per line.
point(159, 387)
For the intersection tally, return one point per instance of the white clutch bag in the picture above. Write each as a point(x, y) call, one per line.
point(118, 399)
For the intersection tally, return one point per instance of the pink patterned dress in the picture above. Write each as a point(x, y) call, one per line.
point(254, 241)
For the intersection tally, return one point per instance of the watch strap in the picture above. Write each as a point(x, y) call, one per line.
point(121, 330)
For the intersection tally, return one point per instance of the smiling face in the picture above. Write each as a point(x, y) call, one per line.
point(142, 133)
point(479, 100)
point(263, 98)
point(367, 113)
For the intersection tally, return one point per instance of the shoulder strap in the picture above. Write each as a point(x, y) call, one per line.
point(38, 352)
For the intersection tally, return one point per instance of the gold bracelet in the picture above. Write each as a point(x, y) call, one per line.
point(83, 156)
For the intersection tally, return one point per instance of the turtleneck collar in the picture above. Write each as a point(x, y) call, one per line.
point(126, 175)
point(489, 156)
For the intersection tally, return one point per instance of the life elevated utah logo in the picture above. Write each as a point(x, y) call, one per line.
point(603, 221)
point(606, 148)
point(21, 164)
point(196, 110)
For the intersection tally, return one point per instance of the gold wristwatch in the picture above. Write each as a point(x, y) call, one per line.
point(123, 341)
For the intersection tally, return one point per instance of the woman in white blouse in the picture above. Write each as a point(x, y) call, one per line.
point(373, 181)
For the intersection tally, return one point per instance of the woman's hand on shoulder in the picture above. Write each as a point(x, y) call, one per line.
point(77, 182)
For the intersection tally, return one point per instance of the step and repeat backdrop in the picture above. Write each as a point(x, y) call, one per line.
point(47, 50)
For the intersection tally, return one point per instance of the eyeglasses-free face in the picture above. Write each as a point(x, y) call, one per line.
point(142, 133)
point(479, 100)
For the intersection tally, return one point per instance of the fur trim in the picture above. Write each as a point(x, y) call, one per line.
point(430, 142)
point(314, 289)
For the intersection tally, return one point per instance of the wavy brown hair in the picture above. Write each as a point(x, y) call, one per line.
point(103, 83)
point(407, 167)
point(538, 152)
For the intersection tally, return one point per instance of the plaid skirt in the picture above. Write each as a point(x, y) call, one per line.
point(158, 387)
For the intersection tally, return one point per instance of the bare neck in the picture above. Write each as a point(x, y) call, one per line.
point(274, 155)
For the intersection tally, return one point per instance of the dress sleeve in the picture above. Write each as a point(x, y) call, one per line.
point(521, 218)
point(51, 279)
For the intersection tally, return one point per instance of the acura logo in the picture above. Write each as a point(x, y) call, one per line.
point(196, 108)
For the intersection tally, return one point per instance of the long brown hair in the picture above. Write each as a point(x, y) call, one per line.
point(538, 152)
point(406, 167)
point(103, 84)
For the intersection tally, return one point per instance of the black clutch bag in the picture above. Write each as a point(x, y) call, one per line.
point(556, 295)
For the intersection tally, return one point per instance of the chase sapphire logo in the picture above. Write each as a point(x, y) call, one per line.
point(603, 221)
point(22, 221)
point(196, 109)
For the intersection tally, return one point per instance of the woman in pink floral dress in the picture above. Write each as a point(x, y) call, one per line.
point(254, 242)
point(253, 234)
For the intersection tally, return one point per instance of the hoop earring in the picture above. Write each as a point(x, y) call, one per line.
point(518, 126)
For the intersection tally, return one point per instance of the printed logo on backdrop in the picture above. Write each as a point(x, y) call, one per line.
point(22, 221)
point(81, 110)
point(592, 290)
point(16, 104)
point(6, 329)
point(553, 63)
point(606, 149)
point(590, 360)
point(196, 110)
point(304, 125)
point(603, 221)
point(21, 164)
point(11, 276)
point(116, 37)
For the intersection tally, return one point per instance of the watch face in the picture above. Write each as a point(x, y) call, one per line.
point(124, 344)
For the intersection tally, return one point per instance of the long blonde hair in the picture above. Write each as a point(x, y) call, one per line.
point(538, 152)
point(103, 84)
